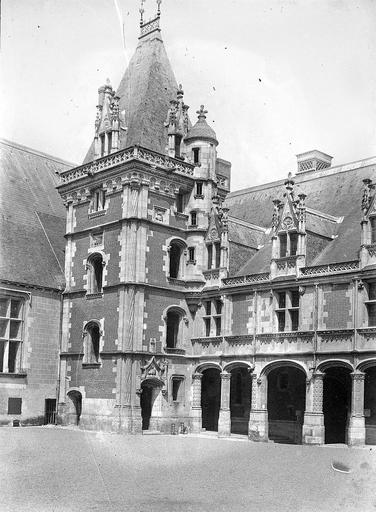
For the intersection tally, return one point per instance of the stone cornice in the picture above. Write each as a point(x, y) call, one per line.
point(135, 153)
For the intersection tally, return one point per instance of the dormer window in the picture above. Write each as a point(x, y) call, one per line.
point(196, 155)
point(103, 144)
point(288, 244)
point(372, 222)
point(177, 145)
point(99, 200)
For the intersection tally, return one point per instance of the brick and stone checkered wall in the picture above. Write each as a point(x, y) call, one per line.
point(337, 306)
point(113, 212)
point(240, 314)
point(40, 359)
point(306, 309)
point(84, 310)
point(96, 382)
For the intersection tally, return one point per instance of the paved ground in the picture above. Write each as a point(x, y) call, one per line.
point(55, 469)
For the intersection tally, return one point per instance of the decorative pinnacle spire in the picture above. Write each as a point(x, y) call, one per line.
point(202, 112)
point(159, 7)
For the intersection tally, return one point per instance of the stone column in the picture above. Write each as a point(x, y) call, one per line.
point(258, 417)
point(313, 427)
point(224, 422)
point(196, 413)
point(357, 427)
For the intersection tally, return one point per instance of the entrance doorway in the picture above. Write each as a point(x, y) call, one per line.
point(210, 398)
point(336, 404)
point(240, 400)
point(146, 404)
point(286, 404)
point(76, 407)
point(50, 411)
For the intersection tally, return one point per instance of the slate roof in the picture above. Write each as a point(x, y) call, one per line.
point(32, 222)
point(333, 218)
point(145, 92)
point(201, 130)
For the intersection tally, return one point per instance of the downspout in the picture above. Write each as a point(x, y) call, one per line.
point(59, 355)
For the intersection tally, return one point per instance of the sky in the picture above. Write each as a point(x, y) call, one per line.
point(278, 77)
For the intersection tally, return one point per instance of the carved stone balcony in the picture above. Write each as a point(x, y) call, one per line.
point(245, 280)
point(366, 339)
point(331, 268)
point(279, 343)
point(210, 345)
point(335, 340)
point(126, 155)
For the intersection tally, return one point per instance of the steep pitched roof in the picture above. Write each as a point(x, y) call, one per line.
point(145, 92)
point(32, 222)
point(333, 212)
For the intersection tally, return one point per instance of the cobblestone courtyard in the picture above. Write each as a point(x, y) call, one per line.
point(56, 469)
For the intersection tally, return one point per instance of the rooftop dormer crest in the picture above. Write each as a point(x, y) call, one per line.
point(153, 25)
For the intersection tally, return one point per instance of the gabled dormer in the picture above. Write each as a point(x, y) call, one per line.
point(368, 225)
point(177, 125)
point(288, 233)
point(107, 122)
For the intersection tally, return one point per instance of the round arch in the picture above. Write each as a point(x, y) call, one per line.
point(330, 363)
point(280, 363)
point(237, 364)
point(207, 365)
point(75, 409)
point(364, 365)
point(176, 309)
point(177, 240)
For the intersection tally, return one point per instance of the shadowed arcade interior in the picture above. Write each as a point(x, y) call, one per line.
point(210, 398)
point(286, 404)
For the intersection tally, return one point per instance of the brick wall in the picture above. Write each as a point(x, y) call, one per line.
point(337, 307)
point(240, 314)
point(40, 357)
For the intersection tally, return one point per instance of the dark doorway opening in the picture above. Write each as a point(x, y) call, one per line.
point(76, 399)
point(146, 405)
point(336, 404)
point(240, 400)
point(210, 398)
point(286, 404)
point(50, 411)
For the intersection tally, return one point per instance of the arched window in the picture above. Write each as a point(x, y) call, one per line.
point(95, 273)
point(176, 251)
point(174, 329)
point(92, 336)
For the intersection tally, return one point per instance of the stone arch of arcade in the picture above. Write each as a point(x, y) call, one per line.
point(285, 383)
point(240, 396)
point(366, 371)
point(336, 400)
point(210, 395)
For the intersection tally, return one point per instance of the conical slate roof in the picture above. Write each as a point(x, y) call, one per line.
point(145, 92)
point(201, 130)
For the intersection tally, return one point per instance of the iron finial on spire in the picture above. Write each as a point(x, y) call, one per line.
point(159, 7)
point(142, 10)
point(202, 112)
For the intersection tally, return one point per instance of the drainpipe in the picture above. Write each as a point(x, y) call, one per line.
point(315, 323)
point(60, 349)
